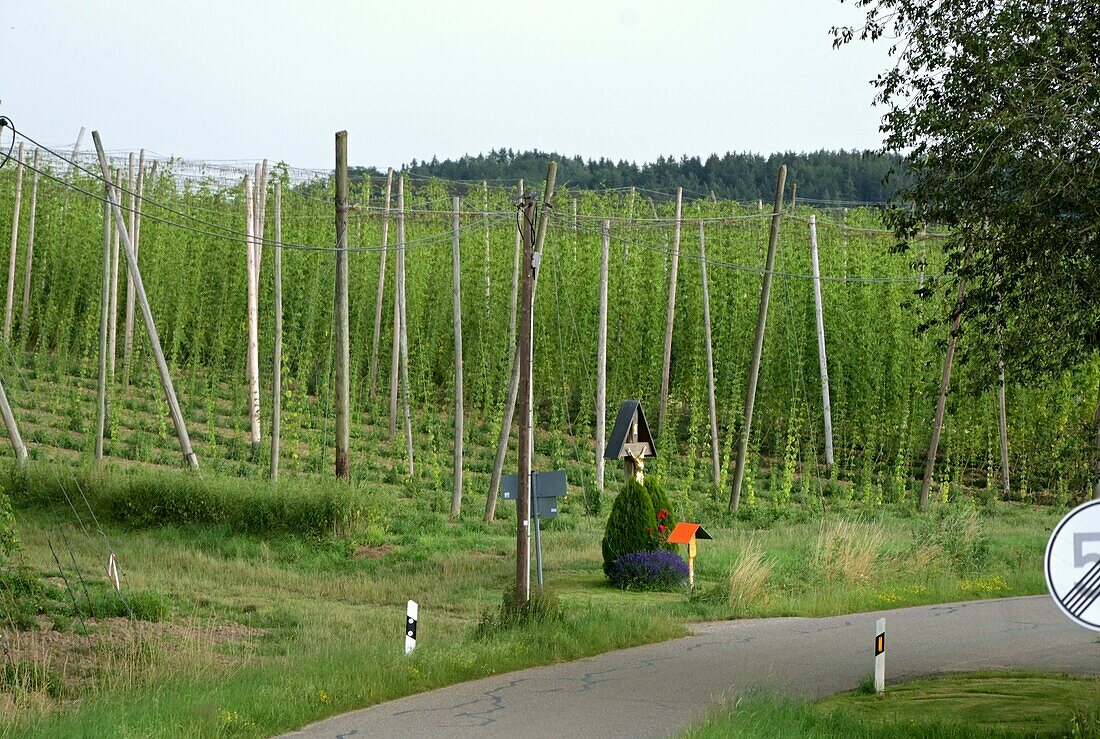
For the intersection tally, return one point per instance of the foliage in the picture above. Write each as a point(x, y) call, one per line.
point(9, 540)
point(957, 532)
point(844, 175)
point(630, 524)
point(996, 108)
point(651, 570)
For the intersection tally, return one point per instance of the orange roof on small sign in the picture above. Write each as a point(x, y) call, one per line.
point(685, 532)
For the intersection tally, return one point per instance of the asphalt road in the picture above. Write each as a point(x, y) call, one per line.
point(660, 689)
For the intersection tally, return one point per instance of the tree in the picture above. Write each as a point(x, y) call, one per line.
point(994, 106)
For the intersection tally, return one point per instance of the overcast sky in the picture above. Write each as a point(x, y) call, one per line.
point(624, 79)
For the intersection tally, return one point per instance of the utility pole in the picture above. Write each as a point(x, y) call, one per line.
point(758, 344)
point(526, 331)
point(343, 395)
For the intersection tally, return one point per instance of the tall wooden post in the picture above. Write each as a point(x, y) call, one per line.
point(104, 302)
point(252, 359)
point(76, 150)
point(147, 316)
point(821, 358)
point(667, 364)
point(516, 253)
point(601, 355)
point(376, 338)
point(343, 394)
point(716, 470)
point(456, 286)
point(395, 354)
point(513, 380)
point(112, 308)
point(24, 324)
point(14, 240)
point(941, 402)
point(403, 322)
point(794, 194)
point(523, 496)
point(1002, 420)
point(128, 326)
point(758, 345)
point(277, 361)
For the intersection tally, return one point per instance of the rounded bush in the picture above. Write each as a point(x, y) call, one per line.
point(659, 570)
point(630, 525)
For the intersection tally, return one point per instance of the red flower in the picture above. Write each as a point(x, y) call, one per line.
point(662, 514)
point(661, 528)
point(649, 531)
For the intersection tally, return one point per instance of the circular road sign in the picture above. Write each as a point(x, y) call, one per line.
point(1073, 565)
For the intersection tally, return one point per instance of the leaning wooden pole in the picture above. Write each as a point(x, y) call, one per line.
point(277, 359)
point(147, 315)
point(12, 427)
point(513, 381)
point(376, 338)
point(24, 324)
point(716, 470)
point(941, 402)
point(822, 361)
point(517, 252)
point(670, 320)
point(104, 304)
point(601, 355)
point(403, 323)
point(14, 241)
point(758, 344)
point(456, 289)
point(340, 314)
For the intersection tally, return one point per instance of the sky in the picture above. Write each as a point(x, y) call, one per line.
point(409, 79)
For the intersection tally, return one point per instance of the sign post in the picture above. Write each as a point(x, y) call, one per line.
point(880, 656)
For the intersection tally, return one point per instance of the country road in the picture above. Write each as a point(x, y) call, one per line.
point(660, 689)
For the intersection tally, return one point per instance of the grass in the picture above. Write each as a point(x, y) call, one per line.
point(992, 704)
point(254, 608)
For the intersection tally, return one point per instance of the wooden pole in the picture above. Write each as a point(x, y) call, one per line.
point(104, 303)
point(252, 359)
point(601, 356)
point(14, 436)
point(343, 362)
point(395, 354)
point(821, 359)
point(513, 381)
point(376, 338)
point(945, 383)
point(456, 271)
point(112, 308)
point(14, 241)
point(485, 216)
point(1002, 419)
point(716, 469)
point(516, 253)
point(24, 324)
point(794, 194)
point(147, 315)
point(76, 150)
point(667, 364)
point(261, 217)
point(128, 327)
point(523, 497)
point(404, 320)
point(758, 345)
point(277, 361)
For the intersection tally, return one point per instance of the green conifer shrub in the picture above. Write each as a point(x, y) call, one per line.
point(630, 525)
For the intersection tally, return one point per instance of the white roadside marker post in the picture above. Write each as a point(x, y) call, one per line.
point(411, 616)
point(880, 656)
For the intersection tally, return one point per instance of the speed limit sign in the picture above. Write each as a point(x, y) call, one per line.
point(1073, 565)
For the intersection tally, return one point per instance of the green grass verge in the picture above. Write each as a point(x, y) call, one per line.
point(992, 704)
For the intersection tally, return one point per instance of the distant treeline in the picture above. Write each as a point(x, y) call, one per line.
point(823, 175)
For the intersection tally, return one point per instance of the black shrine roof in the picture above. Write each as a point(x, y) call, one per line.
point(616, 446)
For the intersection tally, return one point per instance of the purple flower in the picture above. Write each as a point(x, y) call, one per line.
point(656, 570)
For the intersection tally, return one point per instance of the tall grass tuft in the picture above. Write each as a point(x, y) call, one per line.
point(748, 578)
point(848, 551)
